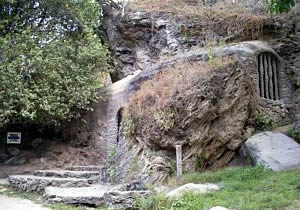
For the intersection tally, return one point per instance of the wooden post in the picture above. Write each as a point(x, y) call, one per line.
point(178, 161)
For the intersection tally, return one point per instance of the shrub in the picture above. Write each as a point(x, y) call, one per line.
point(264, 123)
point(293, 133)
point(280, 6)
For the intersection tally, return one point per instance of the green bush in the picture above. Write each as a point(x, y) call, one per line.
point(264, 123)
point(294, 134)
point(280, 6)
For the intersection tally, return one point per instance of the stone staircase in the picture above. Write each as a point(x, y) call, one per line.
point(84, 185)
point(72, 177)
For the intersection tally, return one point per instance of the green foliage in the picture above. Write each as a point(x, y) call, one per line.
point(164, 119)
point(51, 60)
point(154, 202)
point(264, 123)
point(293, 133)
point(127, 124)
point(280, 6)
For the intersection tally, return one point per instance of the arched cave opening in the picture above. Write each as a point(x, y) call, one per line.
point(119, 121)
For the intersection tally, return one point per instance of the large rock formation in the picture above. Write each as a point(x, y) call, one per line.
point(211, 118)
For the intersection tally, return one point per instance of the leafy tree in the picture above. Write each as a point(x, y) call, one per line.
point(280, 6)
point(51, 59)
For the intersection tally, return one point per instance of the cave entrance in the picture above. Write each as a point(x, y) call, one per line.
point(119, 121)
point(268, 76)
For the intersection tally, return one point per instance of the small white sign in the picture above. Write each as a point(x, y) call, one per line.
point(14, 138)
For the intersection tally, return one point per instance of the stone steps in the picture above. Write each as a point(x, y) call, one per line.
point(30, 183)
point(92, 196)
point(67, 174)
point(84, 168)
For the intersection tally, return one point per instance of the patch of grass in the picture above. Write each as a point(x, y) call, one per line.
point(241, 188)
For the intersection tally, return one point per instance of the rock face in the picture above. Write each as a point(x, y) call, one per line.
point(273, 150)
point(193, 188)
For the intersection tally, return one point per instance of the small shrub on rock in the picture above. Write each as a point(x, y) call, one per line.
point(264, 123)
point(293, 133)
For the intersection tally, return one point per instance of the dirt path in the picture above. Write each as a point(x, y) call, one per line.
point(9, 203)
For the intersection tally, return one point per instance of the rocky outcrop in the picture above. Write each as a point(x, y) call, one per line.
point(211, 117)
point(273, 150)
point(192, 188)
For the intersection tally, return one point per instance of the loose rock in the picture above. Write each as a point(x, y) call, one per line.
point(194, 188)
point(123, 199)
point(273, 150)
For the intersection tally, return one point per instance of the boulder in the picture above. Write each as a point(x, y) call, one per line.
point(13, 151)
point(218, 208)
point(194, 188)
point(123, 199)
point(272, 150)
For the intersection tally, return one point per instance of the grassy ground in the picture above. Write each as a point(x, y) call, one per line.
point(243, 189)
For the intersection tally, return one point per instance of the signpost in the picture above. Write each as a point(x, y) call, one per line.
point(13, 138)
point(179, 160)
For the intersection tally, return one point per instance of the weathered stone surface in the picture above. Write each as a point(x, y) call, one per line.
point(80, 195)
point(123, 199)
point(193, 188)
point(67, 174)
point(31, 183)
point(273, 150)
point(218, 208)
point(130, 186)
point(14, 151)
point(84, 168)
